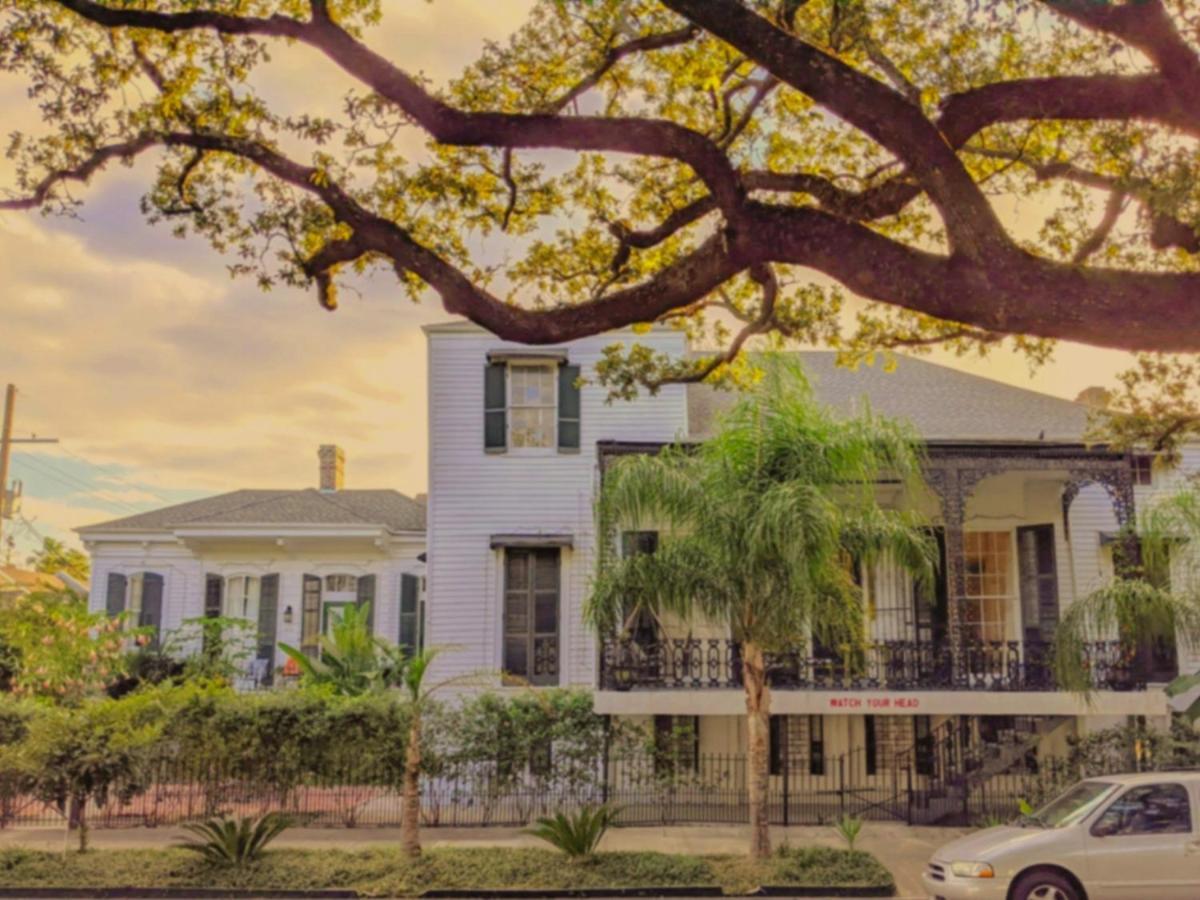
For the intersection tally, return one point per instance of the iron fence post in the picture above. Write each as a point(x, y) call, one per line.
point(787, 768)
point(842, 785)
point(908, 772)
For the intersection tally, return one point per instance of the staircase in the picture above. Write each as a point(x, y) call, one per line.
point(951, 764)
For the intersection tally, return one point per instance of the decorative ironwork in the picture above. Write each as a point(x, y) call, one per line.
point(715, 663)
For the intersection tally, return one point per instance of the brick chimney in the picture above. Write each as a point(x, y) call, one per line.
point(333, 467)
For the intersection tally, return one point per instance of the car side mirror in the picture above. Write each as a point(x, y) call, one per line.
point(1105, 828)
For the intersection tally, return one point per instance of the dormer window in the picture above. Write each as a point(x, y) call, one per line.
point(531, 401)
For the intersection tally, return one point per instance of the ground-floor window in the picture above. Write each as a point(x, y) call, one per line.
point(531, 613)
point(676, 744)
point(241, 597)
point(816, 745)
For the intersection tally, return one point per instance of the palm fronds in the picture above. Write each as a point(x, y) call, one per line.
point(234, 842)
point(575, 834)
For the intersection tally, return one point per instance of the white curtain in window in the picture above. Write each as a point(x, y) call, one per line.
point(241, 597)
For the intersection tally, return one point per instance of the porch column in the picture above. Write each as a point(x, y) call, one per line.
point(947, 483)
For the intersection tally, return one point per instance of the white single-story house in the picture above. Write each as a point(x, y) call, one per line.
point(287, 561)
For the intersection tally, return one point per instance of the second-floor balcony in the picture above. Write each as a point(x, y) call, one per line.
point(715, 663)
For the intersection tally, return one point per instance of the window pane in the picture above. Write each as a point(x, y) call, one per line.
point(546, 570)
point(545, 618)
point(516, 655)
point(1153, 809)
point(516, 569)
point(341, 583)
point(516, 613)
point(532, 427)
point(532, 401)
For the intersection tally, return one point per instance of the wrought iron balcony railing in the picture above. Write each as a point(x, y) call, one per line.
point(708, 663)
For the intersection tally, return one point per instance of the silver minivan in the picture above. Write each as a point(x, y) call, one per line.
point(1120, 837)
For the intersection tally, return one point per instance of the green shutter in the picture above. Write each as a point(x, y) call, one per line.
point(495, 407)
point(114, 603)
point(410, 625)
point(214, 590)
point(310, 616)
point(268, 618)
point(152, 603)
point(366, 595)
point(568, 407)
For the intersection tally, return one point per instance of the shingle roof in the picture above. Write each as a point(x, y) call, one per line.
point(943, 404)
point(386, 508)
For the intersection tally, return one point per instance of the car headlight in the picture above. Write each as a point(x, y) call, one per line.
point(973, 870)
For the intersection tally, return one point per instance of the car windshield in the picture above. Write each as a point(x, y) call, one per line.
point(1072, 806)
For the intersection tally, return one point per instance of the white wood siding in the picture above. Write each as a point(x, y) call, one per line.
point(184, 572)
point(473, 495)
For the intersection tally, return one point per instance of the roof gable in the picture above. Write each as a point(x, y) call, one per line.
point(386, 508)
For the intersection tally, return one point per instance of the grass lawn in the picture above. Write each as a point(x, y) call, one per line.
point(385, 872)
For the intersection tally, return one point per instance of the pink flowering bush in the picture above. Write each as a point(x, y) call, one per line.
point(61, 652)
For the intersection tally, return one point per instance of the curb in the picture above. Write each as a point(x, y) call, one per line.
point(848, 892)
point(167, 893)
point(545, 893)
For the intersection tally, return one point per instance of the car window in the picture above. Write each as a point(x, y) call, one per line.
point(1072, 806)
point(1148, 809)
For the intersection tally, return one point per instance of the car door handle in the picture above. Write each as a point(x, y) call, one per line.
point(1191, 847)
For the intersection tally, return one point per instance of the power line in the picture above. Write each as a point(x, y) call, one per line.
point(42, 468)
point(114, 476)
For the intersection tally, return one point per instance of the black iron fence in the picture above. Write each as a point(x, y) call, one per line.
point(698, 663)
point(648, 790)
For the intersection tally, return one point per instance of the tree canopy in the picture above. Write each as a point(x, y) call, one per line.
point(54, 556)
point(689, 161)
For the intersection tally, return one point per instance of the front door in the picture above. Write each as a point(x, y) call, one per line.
point(1038, 573)
point(1145, 845)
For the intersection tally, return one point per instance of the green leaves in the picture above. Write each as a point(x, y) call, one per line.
point(350, 660)
point(848, 828)
point(234, 842)
point(758, 524)
point(576, 834)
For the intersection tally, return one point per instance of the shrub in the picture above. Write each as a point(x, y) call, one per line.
point(849, 827)
point(577, 834)
point(234, 842)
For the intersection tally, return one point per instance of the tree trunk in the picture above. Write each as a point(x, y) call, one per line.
point(758, 729)
point(410, 823)
point(77, 821)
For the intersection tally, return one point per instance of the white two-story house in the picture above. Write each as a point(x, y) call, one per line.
point(288, 562)
point(1025, 514)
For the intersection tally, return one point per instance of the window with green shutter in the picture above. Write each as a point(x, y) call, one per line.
point(151, 612)
point(411, 638)
point(568, 408)
point(495, 407)
point(114, 603)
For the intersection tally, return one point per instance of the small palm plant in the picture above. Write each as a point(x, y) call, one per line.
point(234, 842)
point(578, 834)
point(349, 662)
point(849, 827)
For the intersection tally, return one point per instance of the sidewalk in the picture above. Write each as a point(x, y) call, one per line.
point(903, 849)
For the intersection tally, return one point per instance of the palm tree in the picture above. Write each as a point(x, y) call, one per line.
point(408, 672)
point(760, 529)
point(1155, 592)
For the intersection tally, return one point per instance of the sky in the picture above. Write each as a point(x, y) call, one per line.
point(165, 380)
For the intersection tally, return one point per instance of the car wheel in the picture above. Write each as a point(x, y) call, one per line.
point(1045, 885)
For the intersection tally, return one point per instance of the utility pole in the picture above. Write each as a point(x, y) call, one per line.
point(6, 442)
